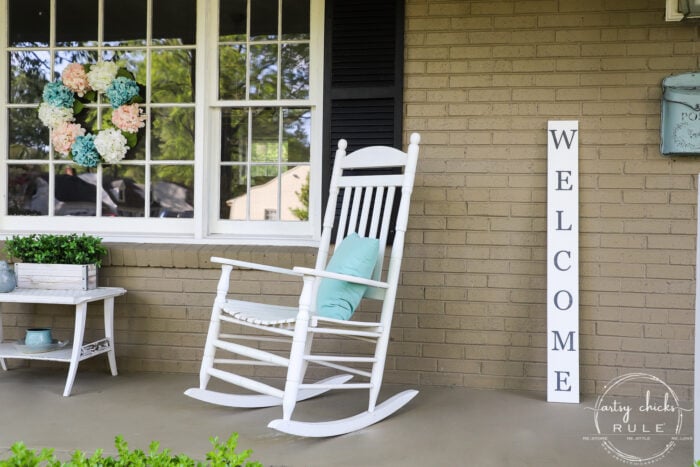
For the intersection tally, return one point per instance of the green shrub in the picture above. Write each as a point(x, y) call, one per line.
point(56, 249)
point(222, 455)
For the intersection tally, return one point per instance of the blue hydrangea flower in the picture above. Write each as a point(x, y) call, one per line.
point(58, 95)
point(121, 91)
point(84, 151)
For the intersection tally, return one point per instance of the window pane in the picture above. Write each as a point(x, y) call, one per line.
point(232, 72)
point(263, 71)
point(27, 190)
point(264, 190)
point(125, 22)
point(296, 16)
point(76, 22)
point(29, 22)
point(76, 192)
point(172, 76)
point(132, 60)
point(265, 141)
point(29, 72)
point(263, 19)
point(174, 21)
point(172, 134)
point(171, 191)
point(232, 20)
point(138, 152)
point(295, 71)
point(64, 58)
point(234, 201)
point(295, 193)
point(87, 119)
point(124, 184)
point(28, 137)
point(234, 135)
point(297, 135)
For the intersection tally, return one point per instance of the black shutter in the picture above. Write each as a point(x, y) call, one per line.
point(363, 82)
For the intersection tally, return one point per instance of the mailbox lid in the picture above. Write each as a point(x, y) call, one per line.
point(683, 89)
point(687, 97)
point(683, 80)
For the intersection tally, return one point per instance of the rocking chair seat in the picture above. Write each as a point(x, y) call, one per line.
point(260, 313)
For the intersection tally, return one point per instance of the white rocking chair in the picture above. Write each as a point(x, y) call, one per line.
point(366, 193)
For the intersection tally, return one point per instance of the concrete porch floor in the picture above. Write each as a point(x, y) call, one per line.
point(440, 427)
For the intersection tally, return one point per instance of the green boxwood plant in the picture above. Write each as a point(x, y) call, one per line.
point(222, 455)
point(56, 249)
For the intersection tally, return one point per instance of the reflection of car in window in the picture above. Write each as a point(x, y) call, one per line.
point(172, 200)
point(76, 195)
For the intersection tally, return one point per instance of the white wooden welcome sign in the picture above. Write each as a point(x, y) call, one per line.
point(562, 262)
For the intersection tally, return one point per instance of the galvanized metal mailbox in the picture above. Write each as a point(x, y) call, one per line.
point(680, 114)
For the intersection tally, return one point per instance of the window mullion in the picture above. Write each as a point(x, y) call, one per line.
point(100, 38)
point(51, 162)
point(147, 144)
point(247, 52)
point(280, 140)
point(249, 163)
point(279, 49)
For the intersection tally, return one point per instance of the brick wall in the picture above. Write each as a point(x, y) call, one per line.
point(482, 80)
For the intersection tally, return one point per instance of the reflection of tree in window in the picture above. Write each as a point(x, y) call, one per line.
point(295, 71)
point(29, 72)
point(302, 213)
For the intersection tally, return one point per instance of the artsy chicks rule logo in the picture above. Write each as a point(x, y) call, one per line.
point(638, 419)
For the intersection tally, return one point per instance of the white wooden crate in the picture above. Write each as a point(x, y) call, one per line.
point(56, 276)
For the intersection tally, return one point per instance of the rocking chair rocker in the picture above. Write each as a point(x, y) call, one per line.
point(365, 193)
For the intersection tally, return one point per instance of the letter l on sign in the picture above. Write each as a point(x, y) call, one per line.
point(562, 262)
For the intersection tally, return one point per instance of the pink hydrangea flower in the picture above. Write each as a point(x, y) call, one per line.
point(64, 135)
point(129, 118)
point(75, 79)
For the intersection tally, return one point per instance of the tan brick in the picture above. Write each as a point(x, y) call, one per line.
point(503, 368)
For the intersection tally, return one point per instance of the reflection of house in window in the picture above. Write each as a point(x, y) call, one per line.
point(264, 198)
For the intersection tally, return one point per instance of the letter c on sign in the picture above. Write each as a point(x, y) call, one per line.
point(556, 260)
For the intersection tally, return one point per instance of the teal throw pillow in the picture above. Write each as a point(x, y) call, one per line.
point(356, 256)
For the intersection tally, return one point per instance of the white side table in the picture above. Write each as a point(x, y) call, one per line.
point(79, 351)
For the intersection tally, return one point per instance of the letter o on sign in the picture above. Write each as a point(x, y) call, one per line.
point(557, 300)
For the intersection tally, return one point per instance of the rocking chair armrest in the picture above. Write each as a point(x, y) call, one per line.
point(259, 267)
point(341, 277)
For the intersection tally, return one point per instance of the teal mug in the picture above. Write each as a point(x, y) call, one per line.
point(37, 337)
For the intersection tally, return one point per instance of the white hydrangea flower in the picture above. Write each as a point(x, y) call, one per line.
point(111, 145)
point(101, 75)
point(54, 116)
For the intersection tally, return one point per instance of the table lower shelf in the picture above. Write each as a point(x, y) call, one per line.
point(9, 350)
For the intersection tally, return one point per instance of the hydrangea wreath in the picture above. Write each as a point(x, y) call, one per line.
point(81, 84)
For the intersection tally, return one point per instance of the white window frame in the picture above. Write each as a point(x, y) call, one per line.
point(205, 227)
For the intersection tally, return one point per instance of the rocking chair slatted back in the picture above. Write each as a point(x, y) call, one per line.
point(367, 201)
